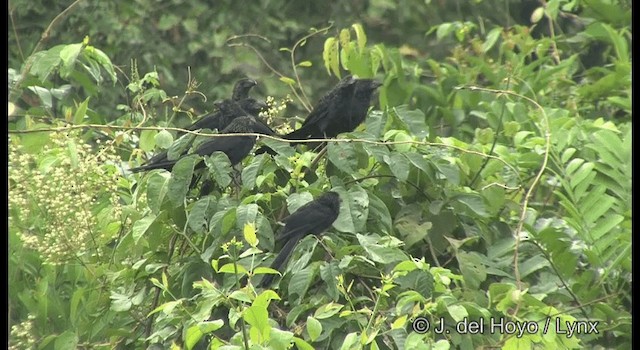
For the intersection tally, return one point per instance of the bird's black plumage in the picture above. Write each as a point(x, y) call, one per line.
point(328, 113)
point(314, 217)
point(340, 110)
point(241, 89)
point(227, 111)
point(235, 147)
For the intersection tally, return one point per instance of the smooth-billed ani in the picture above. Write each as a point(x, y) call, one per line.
point(314, 218)
point(235, 147)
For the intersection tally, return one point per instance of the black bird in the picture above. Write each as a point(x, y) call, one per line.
point(314, 217)
point(235, 147)
point(341, 110)
point(220, 119)
point(228, 110)
point(241, 89)
point(327, 113)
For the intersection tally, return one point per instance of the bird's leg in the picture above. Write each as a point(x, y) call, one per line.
point(236, 179)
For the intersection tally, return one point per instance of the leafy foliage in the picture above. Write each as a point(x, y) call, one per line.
point(492, 183)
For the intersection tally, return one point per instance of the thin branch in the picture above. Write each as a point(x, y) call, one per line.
point(306, 102)
point(119, 127)
point(271, 69)
point(536, 180)
point(15, 33)
point(495, 140)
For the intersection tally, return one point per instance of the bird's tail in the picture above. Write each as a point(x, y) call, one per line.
point(162, 165)
point(280, 261)
point(299, 134)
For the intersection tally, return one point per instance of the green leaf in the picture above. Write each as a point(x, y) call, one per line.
point(412, 228)
point(219, 167)
point(147, 140)
point(535, 263)
point(350, 341)
point(457, 312)
point(414, 119)
point(195, 332)
point(399, 165)
point(258, 317)
point(607, 224)
point(492, 38)
point(314, 328)
point(157, 187)
point(249, 233)
point(280, 339)
point(474, 202)
point(375, 123)
point(199, 215)
point(599, 208)
point(180, 180)
point(251, 171)
point(44, 62)
point(300, 282)
point(450, 171)
point(444, 29)
point(163, 139)
point(327, 310)
point(301, 344)
point(536, 15)
point(141, 226)
point(81, 112)
point(103, 60)
point(380, 214)
point(330, 55)
point(168, 21)
point(354, 209)
point(246, 214)
point(342, 155)
point(305, 64)
point(287, 80)
point(473, 268)
point(581, 174)
point(298, 199)
point(69, 55)
point(361, 37)
point(66, 341)
point(181, 146)
point(381, 249)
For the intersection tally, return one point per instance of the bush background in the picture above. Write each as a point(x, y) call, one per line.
point(510, 119)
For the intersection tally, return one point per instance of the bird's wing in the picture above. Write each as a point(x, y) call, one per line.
point(312, 218)
point(235, 147)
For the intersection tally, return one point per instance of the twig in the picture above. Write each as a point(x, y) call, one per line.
point(306, 102)
point(272, 69)
point(536, 180)
point(412, 142)
point(15, 33)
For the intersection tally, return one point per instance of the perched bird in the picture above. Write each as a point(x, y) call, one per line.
point(241, 89)
point(314, 217)
point(227, 111)
point(235, 147)
point(327, 114)
point(220, 119)
point(341, 110)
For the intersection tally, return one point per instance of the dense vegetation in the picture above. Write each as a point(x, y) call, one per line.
point(490, 182)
